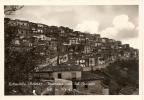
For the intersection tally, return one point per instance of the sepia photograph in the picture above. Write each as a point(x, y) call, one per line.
point(71, 50)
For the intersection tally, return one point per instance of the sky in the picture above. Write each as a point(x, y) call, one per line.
point(113, 21)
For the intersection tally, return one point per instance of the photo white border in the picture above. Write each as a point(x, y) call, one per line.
point(75, 2)
point(71, 2)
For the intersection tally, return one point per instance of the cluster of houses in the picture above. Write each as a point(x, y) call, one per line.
point(66, 54)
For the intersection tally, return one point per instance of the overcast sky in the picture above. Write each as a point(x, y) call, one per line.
point(116, 22)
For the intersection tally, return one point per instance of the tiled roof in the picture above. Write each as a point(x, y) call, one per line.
point(90, 76)
point(61, 67)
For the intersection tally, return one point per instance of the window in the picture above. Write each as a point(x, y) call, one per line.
point(86, 86)
point(91, 61)
point(73, 75)
point(59, 75)
point(74, 85)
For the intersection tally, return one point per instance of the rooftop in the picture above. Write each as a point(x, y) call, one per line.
point(61, 67)
point(90, 76)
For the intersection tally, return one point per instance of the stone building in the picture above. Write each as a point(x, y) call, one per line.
point(62, 71)
point(89, 84)
point(83, 82)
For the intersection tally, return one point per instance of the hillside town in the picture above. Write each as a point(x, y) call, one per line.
point(60, 61)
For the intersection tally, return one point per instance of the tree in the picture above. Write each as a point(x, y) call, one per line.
point(124, 74)
point(8, 10)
